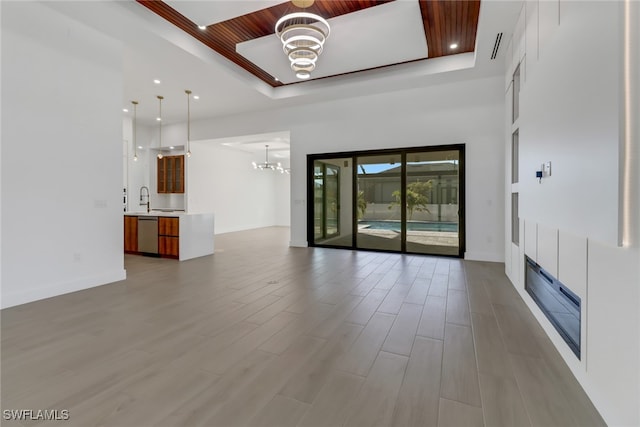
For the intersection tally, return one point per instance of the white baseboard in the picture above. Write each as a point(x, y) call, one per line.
point(298, 243)
point(51, 290)
point(484, 256)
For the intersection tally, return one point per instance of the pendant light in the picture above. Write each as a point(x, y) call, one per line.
point(160, 98)
point(135, 129)
point(188, 92)
point(266, 165)
point(302, 35)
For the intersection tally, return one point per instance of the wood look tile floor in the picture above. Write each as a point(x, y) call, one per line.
point(261, 334)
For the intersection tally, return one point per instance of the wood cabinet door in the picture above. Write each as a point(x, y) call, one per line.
point(171, 174)
point(169, 226)
point(162, 176)
point(178, 181)
point(131, 234)
point(169, 246)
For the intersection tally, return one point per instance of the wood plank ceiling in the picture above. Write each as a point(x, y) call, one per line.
point(444, 21)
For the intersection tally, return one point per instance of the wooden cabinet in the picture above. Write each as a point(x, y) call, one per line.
point(169, 237)
point(162, 176)
point(169, 246)
point(130, 234)
point(171, 174)
point(169, 226)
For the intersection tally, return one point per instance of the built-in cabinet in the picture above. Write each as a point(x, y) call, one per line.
point(171, 174)
point(169, 237)
point(181, 236)
point(130, 234)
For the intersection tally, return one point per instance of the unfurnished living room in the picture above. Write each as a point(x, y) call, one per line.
point(320, 213)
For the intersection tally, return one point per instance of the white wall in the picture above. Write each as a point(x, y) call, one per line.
point(62, 226)
point(468, 112)
point(222, 180)
point(571, 113)
point(282, 197)
point(138, 172)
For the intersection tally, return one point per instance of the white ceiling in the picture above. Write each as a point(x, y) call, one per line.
point(178, 70)
point(155, 49)
point(211, 12)
point(278, 144)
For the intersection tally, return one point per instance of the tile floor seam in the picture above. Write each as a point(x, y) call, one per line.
point(444, 336)
point(475, 347)
point(510, 364)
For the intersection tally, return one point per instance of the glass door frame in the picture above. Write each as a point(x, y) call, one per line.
point(403, 199)
point(325, 207)
point(353, 155)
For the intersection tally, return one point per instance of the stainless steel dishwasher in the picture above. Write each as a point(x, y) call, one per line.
point(148, 234)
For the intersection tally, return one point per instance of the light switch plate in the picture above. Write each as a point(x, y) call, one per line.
point(547, 169)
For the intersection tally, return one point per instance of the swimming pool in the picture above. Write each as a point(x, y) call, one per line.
point(411, 226)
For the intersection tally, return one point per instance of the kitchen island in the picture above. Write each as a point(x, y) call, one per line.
point(176, 235)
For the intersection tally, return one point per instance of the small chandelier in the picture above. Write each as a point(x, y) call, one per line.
point(266, 165)
point(302, 35)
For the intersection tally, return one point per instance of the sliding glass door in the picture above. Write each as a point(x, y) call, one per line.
point(432, 189)
point(379, 206)
point(405, 200)
point(332, 202)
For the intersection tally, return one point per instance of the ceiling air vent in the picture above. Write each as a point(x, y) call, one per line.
point(496, 46)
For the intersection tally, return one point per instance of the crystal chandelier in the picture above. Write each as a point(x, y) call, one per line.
point(266, 165)
point(302, 35)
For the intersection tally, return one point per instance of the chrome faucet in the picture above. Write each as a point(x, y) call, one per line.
point(144, 198)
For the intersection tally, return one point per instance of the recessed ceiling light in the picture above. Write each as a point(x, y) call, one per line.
point(124, 110)
point(158, 119)
point(196, 97)
point(202, 27)
point(276, 79)
point(172, 147)
point(156, 81)
point(453, 46)
point(139, 147)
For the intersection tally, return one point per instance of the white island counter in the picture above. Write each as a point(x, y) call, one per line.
point(177, 235)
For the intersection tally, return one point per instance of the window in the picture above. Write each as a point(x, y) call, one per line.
point(515, 148)
point(515, 220)
point(514, 156)
point(516, 94)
